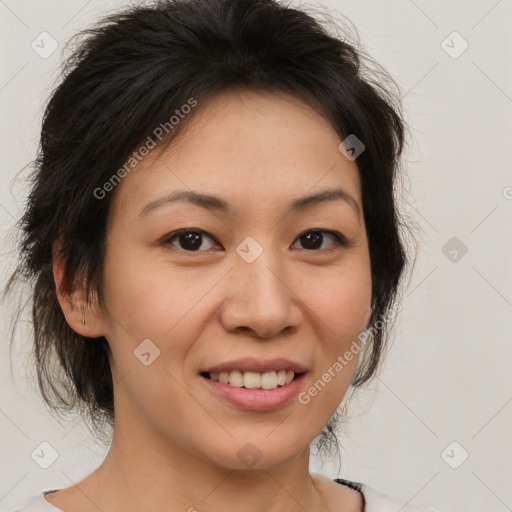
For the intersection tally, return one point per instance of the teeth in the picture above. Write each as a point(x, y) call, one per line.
point(236, 379)
point(254, 380)
point(269, 380)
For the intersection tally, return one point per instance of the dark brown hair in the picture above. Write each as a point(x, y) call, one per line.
point(129, 74)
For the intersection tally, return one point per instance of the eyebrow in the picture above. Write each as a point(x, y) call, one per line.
point(216, 203)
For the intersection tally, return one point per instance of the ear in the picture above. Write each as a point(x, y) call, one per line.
point(83, 319)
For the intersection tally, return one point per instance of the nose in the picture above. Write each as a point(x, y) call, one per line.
point(260, 298)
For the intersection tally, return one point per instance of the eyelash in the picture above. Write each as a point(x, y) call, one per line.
point(339, 239)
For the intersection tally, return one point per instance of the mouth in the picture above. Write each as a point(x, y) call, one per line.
point(255, 385)
point(254, 380)
point(254, 391)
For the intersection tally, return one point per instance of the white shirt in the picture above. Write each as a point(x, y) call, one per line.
point(374, 502)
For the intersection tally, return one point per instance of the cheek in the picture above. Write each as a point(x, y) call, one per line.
point(148, 302)
point(340, 305)
point(144, 296)
point(340, 300)
point(153, 301)
point(348, 306)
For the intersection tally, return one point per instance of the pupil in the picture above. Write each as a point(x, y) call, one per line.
point(313, 240)
point(190, 240)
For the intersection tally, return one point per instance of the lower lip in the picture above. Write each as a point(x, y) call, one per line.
point(257, 399)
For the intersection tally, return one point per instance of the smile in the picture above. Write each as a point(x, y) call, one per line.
point(257, 398)
point(253, 380)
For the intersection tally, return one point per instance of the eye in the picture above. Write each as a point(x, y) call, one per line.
point(314, 239)
point(189, 240)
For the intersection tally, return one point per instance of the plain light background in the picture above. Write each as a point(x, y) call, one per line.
point(446, 389)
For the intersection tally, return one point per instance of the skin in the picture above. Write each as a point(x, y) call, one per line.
point(175, 443)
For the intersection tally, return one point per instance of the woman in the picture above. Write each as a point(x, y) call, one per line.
point(215, 252)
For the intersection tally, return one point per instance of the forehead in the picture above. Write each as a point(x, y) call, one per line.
point(256, 150)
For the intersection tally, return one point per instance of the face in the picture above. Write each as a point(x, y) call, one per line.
point(202, 296)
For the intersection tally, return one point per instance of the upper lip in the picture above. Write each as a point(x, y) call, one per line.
point(250, 364)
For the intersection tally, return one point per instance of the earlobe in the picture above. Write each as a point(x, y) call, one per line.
point(84, 319)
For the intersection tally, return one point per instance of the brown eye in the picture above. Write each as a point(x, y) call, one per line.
point(190, 240)
point(313, 240)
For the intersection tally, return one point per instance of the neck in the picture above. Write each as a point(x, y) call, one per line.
point(143, 471)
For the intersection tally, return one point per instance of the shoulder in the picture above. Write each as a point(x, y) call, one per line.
point(357, 497)
point(378, 502)
point(362, 498)
point(38, 503)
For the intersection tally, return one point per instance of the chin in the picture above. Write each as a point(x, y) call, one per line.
point(257, 452)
